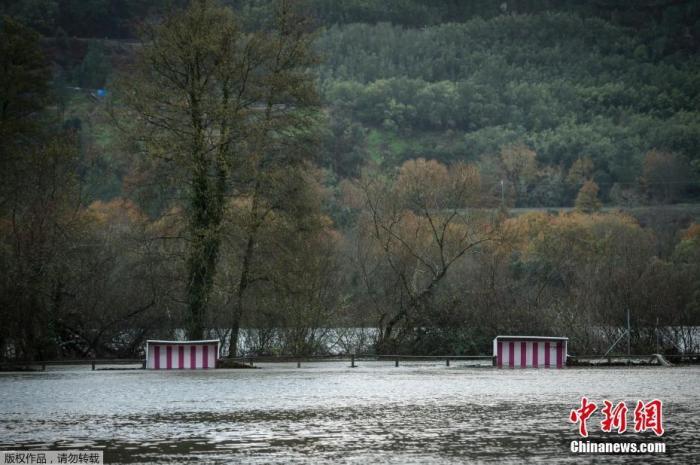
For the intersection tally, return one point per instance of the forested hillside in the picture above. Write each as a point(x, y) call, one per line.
point(610, 88)
point(409, 166)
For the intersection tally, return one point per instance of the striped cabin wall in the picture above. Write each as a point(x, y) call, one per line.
point(529, 352)
point(176, 355)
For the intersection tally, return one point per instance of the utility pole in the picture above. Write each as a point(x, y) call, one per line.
point(656, 331)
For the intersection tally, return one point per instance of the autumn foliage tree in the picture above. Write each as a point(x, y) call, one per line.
point(580, 274)
point(587, 199)
point(419, 224)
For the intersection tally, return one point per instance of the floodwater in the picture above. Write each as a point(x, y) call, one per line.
point(330, 413)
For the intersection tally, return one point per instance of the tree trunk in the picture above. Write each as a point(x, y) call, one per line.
point(238, 309)
point(205, 218)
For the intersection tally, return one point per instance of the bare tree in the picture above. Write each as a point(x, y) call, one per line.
point(421, 223)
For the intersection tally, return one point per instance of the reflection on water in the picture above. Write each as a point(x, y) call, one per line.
point(327, 412)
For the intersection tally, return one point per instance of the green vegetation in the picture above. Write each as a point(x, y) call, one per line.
point(567, 86)
point(538, 160)
point(611, 81)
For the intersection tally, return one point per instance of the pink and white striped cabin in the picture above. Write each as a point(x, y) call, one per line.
point(181, 355)
point(529, 351)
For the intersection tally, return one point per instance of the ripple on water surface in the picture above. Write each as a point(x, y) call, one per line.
point(417, 413)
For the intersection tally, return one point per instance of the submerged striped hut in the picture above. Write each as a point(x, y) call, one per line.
point(181, 355)
point(529, 351)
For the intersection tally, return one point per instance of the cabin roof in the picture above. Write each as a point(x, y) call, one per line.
point(532, 338)
point(205, 341)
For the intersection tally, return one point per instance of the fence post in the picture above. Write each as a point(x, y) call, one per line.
point(352, 360)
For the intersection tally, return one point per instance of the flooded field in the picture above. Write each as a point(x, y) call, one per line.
point(328, 412)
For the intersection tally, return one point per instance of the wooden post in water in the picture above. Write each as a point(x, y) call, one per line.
point(43, 367)
point(93, 365)
point(447, 362)
point(298, 363)
point(397, 362)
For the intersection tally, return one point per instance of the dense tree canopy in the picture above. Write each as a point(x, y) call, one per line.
point(314, 176)
point(566, 85)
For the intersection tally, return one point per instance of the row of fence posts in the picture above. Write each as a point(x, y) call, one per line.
point(353, 365)
point(93, 363)
point(251, 362)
